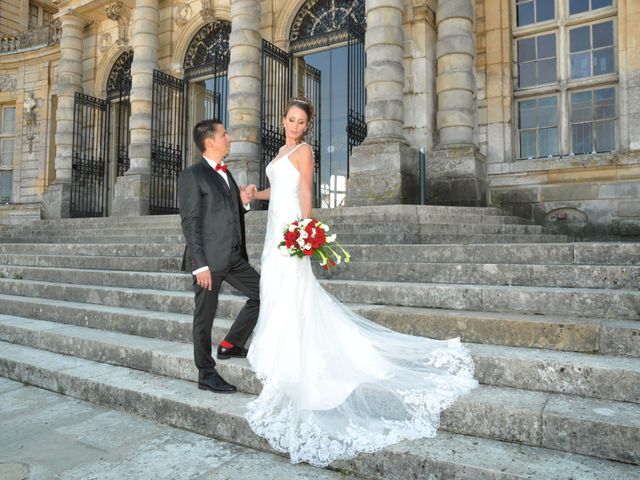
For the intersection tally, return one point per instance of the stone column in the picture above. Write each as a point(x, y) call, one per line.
point(383, 170)
point(131, 195)
point(245, 50)
point(57, 197)
point(456, 171)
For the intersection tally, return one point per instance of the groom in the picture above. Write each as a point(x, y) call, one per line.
point(212, 209)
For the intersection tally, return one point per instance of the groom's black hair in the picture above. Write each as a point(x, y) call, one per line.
point(204, 129)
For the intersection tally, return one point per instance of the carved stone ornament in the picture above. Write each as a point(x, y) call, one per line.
point(105, 42)
point(207, 11)
point(183, 14)
point(120, 14)
point(7, 83)
point(29, 114)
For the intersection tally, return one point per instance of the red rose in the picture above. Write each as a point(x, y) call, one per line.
point(308, 252)
point(332, 263)
point(290, 238)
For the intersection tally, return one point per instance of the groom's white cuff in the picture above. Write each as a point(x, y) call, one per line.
point(201, 269)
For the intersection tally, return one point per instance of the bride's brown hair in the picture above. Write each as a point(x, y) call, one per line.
point(307, 107)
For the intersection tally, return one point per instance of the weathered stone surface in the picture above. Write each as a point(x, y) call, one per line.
point(572, 423)
point(368, 185)
point(221, 417)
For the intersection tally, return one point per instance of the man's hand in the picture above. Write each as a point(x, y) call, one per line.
point(203, 279)
point(247, 192)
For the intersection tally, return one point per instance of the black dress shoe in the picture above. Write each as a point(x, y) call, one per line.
point(224, 353)
point(215, 383)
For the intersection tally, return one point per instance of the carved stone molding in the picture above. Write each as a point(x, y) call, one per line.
point(207, 11)
point(183, 14)
point(120, 14)
point(105, 41)
point(8, 82)
point(29, 115)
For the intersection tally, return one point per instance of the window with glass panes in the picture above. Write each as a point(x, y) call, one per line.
point(39, 15)
point(7, 136)
point(565, 92)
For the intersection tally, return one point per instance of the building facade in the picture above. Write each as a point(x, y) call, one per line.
point(530, 105)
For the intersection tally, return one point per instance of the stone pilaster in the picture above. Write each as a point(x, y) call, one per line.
point(131, 196)
point(57, 197)
point(456, 172)
point(245, 50)
point(383, 170)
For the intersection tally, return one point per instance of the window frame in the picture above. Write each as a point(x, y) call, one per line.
point(8, 136)
point(537, 129)
point(41, 11)
point(564, 84)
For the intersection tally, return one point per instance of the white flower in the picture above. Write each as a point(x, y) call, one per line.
point(300, 241)
point(303, 234)
point(324, 226)
point(292, 227)
point(307, 246)
point(331, 238)
point(305, 222)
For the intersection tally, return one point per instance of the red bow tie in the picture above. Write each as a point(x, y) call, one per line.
point(220, 168)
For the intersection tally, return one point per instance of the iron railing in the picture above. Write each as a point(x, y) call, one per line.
point(167, 142)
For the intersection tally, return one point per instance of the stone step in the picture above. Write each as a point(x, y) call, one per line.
point(340, 229)
point(607, 337)
point(554, 422)
point(358, 238)
point(259, 220)
point(132, 272)
point(378, 211)
point(590, 376)
point(94, 262)
point(170, 289)
point(520, 253)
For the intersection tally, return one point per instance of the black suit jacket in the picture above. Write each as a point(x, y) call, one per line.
point(208, 216)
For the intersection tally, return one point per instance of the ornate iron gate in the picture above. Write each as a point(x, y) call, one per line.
point(88, 157)
point(356, 93)
point(276, 89)
point(312, 82)
point(167, 142)
point(208, 57)
point(118, 89)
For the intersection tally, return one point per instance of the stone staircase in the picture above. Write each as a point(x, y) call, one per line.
point(96, 309)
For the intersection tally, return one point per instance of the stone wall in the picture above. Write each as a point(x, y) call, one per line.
point(12, 16)
point(585, 196)
point(590, 196)
point(28, 79)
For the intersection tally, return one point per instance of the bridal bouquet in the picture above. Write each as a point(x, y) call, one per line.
point(308, 238)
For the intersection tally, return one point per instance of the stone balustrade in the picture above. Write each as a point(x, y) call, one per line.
point(33, 38)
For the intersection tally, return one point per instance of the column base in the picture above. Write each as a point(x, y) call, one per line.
point(383, 173)
point(456, 175)
point(56, 201)
point(131, 196)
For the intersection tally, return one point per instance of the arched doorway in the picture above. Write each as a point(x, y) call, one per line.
point(206, 66)
point(119, 110)
point(178, 104)
point(325, 37)
point(100, 148)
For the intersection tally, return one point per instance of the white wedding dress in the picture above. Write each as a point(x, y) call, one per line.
point(334, 383)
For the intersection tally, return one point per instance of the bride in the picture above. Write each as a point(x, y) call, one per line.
point(334, 383)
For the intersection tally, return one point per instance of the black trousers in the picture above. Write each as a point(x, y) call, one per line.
point(242, 276)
